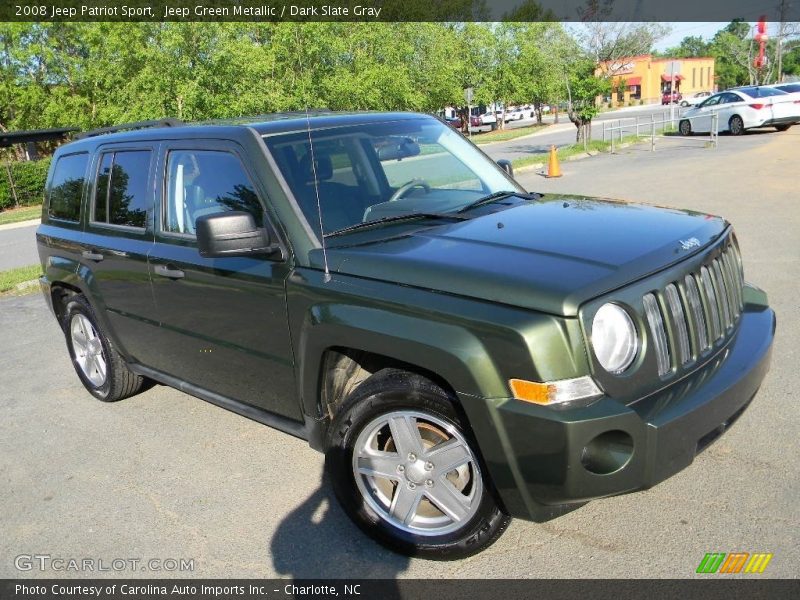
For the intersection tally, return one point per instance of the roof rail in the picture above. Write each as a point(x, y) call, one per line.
point(168, 122)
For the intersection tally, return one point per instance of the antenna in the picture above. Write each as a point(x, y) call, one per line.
point(313, 167)
point(316, 191)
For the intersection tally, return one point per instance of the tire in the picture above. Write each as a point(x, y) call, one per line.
point(365, 429)
point(684, 103)
point(782, 127)
point(736, 125)
point(685, 128)
point(99, 366)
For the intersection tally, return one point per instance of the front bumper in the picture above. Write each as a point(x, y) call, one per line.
point(545, 462)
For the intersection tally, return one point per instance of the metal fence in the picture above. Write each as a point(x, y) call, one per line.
point(657, 126)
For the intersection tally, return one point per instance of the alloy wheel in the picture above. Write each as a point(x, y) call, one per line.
point(417, 472)
point(88, 350)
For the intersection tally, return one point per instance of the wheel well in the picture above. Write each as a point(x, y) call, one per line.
point(344, 369)
point(60, 294)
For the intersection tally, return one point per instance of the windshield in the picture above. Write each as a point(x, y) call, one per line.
point(376, 171)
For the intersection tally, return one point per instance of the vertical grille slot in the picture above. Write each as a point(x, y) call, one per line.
point(736, 261)
point(656, 323)
point(696, 307)
point(733, 288)
point(713, 308)
point(722, 290)
point(735, 275)
point(679, 322)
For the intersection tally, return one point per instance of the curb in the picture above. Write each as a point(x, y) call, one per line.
point(19, 224)
point(549, 129)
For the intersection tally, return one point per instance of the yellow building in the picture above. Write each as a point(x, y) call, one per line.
point(645, 78)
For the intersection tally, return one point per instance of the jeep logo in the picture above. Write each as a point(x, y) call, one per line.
point(690, 243)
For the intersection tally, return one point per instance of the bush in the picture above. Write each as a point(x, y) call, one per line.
point(29, 178)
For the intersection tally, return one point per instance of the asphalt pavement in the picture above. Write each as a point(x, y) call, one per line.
point(164, 475)
point(18, 246)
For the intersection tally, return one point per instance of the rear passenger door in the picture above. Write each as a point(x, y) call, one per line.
point(223, 320)
point(119, 235)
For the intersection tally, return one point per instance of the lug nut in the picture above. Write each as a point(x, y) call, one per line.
point(400, 468)
point(429, 466)
point(429, 482)
point(412, 485)
point(412, 456)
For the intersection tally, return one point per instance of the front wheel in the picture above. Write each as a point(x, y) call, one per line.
point(407, 472)
point(736, 125)
point(782, 127)
point(685, 128)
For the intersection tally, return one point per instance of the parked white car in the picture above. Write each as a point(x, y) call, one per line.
point(694, 99)
point(740, 109)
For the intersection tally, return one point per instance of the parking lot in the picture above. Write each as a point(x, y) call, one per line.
point(167, 476)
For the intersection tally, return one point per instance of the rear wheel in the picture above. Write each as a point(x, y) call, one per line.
point(407, 472)
point(736, 125)
point(782, 127)
point(99, 366)
point(685, 127)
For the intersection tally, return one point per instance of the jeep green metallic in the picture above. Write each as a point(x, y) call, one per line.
point(461, 350)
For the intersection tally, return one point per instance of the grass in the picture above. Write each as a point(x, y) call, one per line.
point(505, 135)
point(13, 277)
point(594, 147)
point(24, 213)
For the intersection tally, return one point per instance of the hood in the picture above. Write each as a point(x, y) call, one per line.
point(551, 255)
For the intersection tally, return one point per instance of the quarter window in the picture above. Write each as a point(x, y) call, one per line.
point(121, 191)
point(66, 187)
point(204, 182)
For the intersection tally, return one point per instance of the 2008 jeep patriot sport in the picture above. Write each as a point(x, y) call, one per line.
point(462, 351)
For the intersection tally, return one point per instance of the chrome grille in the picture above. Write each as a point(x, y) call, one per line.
point(699, 311)
point(653, 314)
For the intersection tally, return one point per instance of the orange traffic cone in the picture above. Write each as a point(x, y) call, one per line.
point(553, 168)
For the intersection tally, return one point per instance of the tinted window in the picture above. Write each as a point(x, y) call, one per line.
point(203, 182)
point(760, 92)
point(121, 192)
point(790, 87)
point(66, 187)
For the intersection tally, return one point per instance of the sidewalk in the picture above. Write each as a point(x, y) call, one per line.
point(19, 224)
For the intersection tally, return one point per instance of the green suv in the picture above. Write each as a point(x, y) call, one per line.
point(461, 350)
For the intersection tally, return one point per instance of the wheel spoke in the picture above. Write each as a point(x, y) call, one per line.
point(79, 341)
point(449, 500)
point(405, 503)
point(406, 435)
point(448, 455)
point(100, 363)
point(378, 464)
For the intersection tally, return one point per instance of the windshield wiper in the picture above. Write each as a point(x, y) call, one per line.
point(397, 218)
point(498, 196)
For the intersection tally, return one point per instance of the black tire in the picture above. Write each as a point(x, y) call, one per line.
point(119, 382)
point(736, 125)
point(685, 128)
point(684, 103)
point(783, 127)
point(385, 392)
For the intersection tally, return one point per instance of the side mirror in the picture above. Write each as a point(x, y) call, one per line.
point(506, 166)
point(232, 233)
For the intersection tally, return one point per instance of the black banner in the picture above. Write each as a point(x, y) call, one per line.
point(714, 588)
point(399, 10)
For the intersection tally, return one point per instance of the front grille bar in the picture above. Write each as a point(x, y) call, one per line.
point(653, 314)
point(679, 321)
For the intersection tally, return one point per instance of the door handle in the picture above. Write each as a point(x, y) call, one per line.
point(90, 255)
point(166, 271)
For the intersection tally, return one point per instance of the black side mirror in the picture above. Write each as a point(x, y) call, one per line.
point(506, 166)
point(232, 233)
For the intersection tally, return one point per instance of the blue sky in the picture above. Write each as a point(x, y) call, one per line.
point(682, 30)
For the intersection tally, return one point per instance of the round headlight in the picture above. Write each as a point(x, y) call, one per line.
point(614, 338)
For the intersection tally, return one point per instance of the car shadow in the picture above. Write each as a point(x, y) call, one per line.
point(318, 541)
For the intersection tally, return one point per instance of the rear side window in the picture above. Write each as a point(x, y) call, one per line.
point(204, 182)
point(761, 92)
point(121, 191)
point(66, 187)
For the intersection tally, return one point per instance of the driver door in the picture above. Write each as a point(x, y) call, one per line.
point(702, 122)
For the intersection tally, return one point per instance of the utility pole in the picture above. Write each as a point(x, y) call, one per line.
point(779, 41)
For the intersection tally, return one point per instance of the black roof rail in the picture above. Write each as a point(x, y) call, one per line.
point(168, 122)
